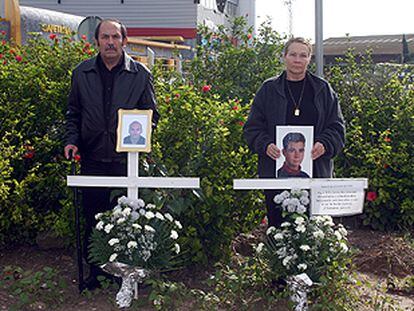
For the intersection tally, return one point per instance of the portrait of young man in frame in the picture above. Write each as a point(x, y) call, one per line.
point(296, 143)
point(134, 130)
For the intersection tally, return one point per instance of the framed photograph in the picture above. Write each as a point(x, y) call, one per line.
point(134, 130)
point(296, 144)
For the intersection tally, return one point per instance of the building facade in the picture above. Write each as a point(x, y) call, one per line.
point(156, 18)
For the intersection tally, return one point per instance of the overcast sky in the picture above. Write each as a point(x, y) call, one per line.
point(341, 17)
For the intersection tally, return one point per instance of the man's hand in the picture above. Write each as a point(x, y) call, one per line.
point(68, 148)
point(318, 150)
point(272, 151)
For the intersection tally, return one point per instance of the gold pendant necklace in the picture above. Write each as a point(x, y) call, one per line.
point(296, 110)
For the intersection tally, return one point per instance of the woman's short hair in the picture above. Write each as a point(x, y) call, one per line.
point(297, 40)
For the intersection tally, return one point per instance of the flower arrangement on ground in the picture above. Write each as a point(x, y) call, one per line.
point(132, 241)
point(303, 244)
point(136, 234)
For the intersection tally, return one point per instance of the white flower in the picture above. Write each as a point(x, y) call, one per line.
point(169, 217)
point(159, 216)
point(97, 216)
point(132, 244)
point(302, 266)
point(305, 247)
point(344, 247)
point(178, 224)
point(149, 215)
point(304, 194)
point(299, 220)
point(149, 228)
point(286, 260)
point(270, 230)
point(285, 194)
point(304, 200)
point(278, 199)
point(151, 206)
point(113, 257)
point(122, 200)
point(134, 216)
point(278, 236)
point(127, 211)
point(318, 234)
point(142, 212)
point(120, 220)
point(100, 225)
point(285, 224)
point(113, 241)
point(137, 226)
point(117, 211)
point(301, 209)
point(174, 235)
point(300, 228)
point(338, 235)
point(259, 248)
point(140, 203)
point(328, 221)
point(281, 252)
point(177, 248)
point(108, 228)
point(342, 230)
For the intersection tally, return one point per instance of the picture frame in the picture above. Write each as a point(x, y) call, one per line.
point(295, 161)
point(134, 130)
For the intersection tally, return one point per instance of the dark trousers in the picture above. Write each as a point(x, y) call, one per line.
point(97, 200)
point(274, 214)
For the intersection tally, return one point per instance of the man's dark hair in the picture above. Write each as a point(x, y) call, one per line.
point(293, 138)
point(123, 28)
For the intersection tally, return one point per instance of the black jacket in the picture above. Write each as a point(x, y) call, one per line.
point(88, 126)
point(269, 110)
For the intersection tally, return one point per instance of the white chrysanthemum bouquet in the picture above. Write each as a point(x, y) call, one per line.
point(302, 244)
point(136, 234)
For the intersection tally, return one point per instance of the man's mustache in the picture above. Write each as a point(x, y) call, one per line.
point(110, 47)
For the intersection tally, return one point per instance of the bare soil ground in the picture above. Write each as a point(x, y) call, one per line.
point(381, 259)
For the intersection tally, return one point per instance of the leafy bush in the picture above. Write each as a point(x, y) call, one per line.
point(34, 82)
point(377, 102)
point(235, 62)
point(199, 135)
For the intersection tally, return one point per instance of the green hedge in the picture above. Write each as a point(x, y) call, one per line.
point(377, 101)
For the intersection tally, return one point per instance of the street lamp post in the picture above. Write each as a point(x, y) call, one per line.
point(319, 37)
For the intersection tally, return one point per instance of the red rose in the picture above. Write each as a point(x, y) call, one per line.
point(4, 62)
point(235, 108)
point(206, 88)
point(28, 154)
point(241, 123)
point(177, 95)
point(249, 36)
point(387, 139)
point(77, 157)
point(87, 45)
point(386, 165)
point(1, 56)
point(264, 220)
point(52, 36)
point(83, 37)
point(90, 52)
point(3, 32)
point(3, 42)
point(19, 58)
point(371, 196)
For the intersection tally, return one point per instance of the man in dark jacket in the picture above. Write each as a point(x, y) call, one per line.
point(296, 97)
point(100, 86)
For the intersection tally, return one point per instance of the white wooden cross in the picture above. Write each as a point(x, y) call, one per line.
point(133, 181)
point(331, 196)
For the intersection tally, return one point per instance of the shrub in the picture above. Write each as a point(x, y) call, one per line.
point(378, 109)
point(34, 82)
